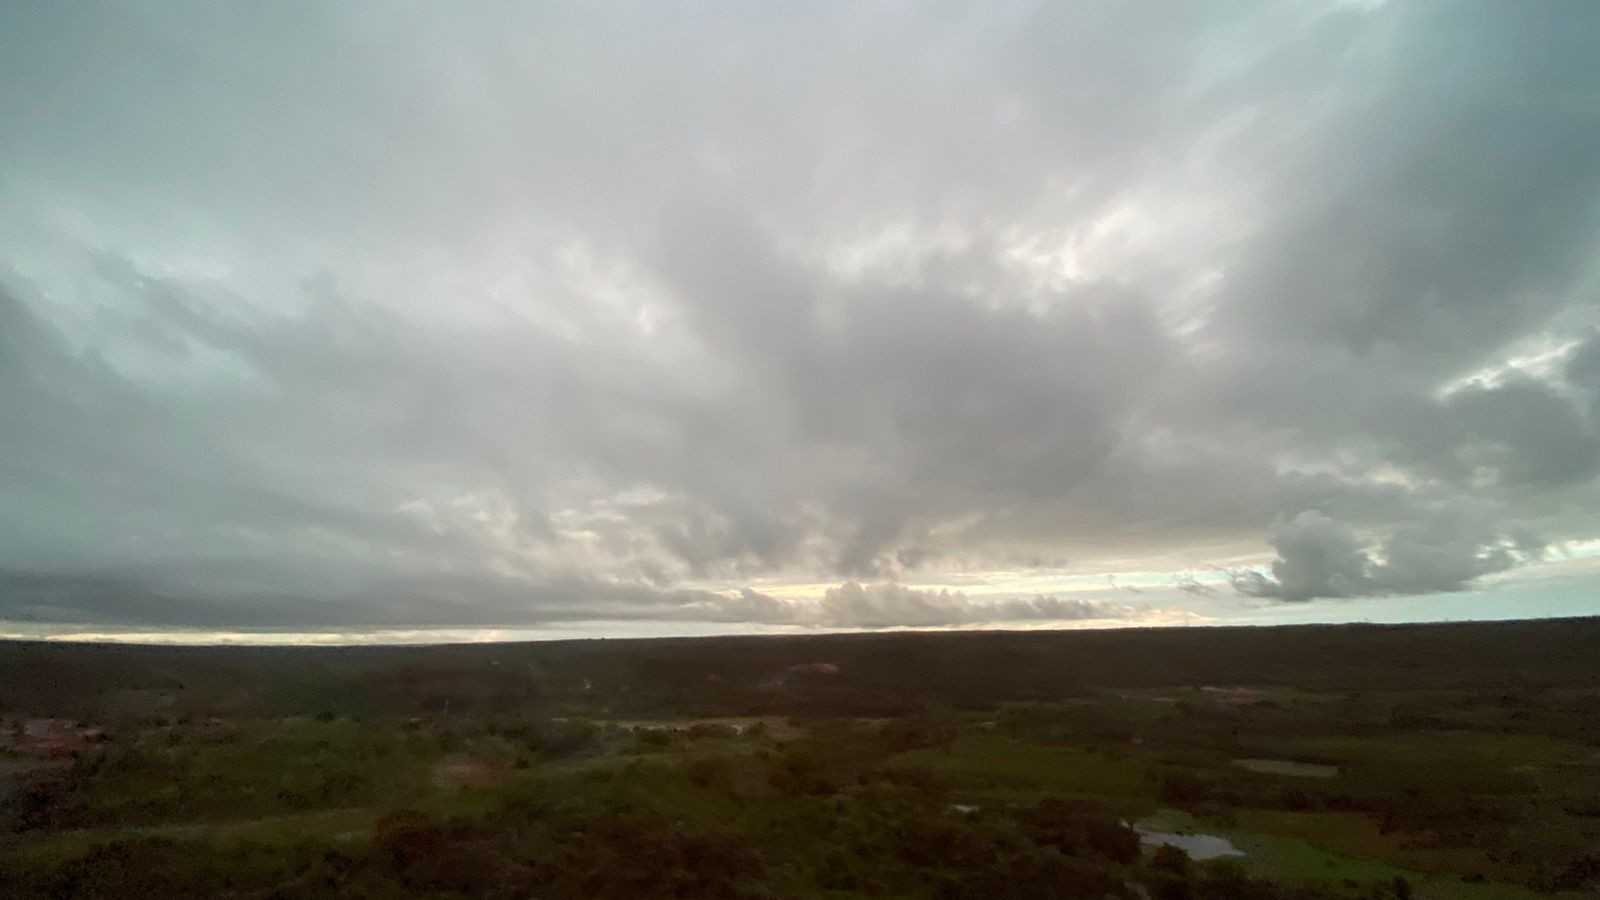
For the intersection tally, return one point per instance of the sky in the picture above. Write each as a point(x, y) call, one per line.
point(403, 320)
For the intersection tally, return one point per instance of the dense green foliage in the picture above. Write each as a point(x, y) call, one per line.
point(912, 766)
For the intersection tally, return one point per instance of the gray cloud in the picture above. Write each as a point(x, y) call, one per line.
point(1320, 557)
point(1317, 557)
point(490, 602)
point(887, 605)
point(510, 314)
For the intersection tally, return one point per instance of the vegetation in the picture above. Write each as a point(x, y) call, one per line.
point(1427, 762)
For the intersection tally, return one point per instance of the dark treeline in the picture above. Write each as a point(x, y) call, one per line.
point(877, 674)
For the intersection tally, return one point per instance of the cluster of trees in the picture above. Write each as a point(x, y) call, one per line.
point(183, 774)
point(894, 849)
point(816, 819)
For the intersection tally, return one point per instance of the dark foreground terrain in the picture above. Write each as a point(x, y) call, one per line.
point(1438, 761)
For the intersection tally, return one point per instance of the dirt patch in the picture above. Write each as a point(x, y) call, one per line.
point(1234, 695)
point(463, 772)
point(1288, 767)
point(776, 727)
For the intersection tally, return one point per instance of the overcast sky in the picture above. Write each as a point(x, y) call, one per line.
point(353, 317)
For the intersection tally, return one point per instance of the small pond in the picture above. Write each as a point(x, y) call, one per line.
point(1198, 846)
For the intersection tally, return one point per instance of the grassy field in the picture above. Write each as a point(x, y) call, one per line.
point(1015, 763)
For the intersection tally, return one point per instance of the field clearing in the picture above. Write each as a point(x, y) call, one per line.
point(1427, 746)
point(1332, 848)
point(1288, 768)
point(341, 825)
point(1013, 762)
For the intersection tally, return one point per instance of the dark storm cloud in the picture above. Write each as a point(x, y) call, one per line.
point(1321, 557)
point(490, 314)
point(1317, 557)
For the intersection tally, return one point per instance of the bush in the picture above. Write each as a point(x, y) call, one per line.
point(1076, 831)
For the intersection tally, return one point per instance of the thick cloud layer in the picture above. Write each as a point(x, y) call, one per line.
point(497, 314)
point(1320, 557)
